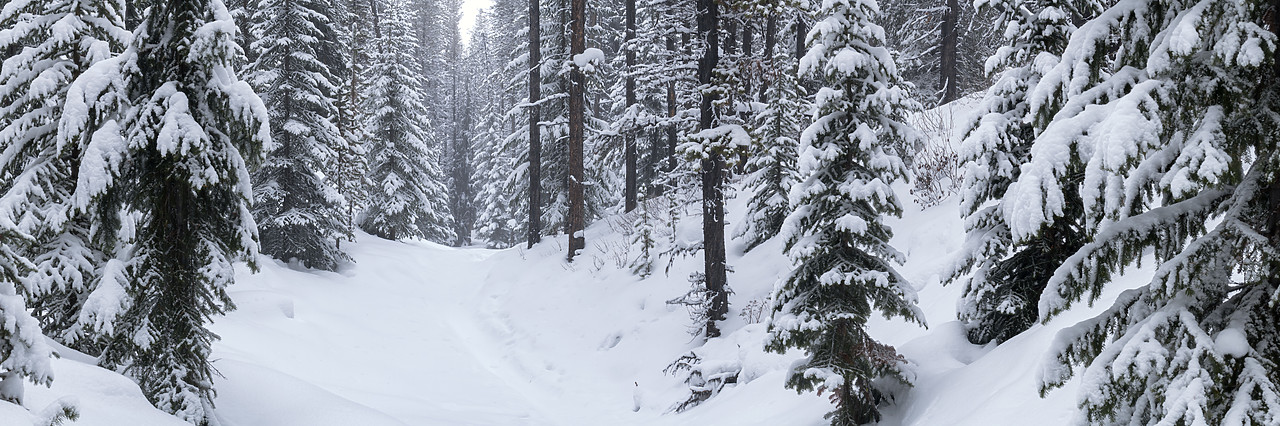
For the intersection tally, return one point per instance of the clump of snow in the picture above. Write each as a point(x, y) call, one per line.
point(1232, 342)
point(589, 59)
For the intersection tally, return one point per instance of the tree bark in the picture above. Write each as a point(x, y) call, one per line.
point(671, 114)
point(535, 138)
point(713, 173)
point(948, 73)
point(802, 31)
point(577, 109)
point(630, 138)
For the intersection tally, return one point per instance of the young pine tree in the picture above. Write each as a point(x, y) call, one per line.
point(772, 163)
point(407, 197)
point(1173, 124)
point(1001, 295)
point(170, 133)
point(54, 42)
point(836, 235)
point(300, 215)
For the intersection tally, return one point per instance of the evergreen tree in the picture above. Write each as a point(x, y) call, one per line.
point(407, 197)
point(1003, 289)
point(772, 163)
point(347, 170)
point(170, 133)
point(1173, 125)
point(54, 43)
point(836, 235)
point(299, 214)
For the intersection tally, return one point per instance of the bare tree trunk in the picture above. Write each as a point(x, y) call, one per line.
point(630, 139)
point(535, 138)
point(577, 109)
point(802, 31)
point(949, 73)
point(671, 113)
point(713, 173)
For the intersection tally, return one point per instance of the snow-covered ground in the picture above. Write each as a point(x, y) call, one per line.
point(421, 334)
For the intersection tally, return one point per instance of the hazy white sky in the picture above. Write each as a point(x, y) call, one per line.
point(469, 9)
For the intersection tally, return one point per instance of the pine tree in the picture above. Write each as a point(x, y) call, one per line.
point(347, 170)
point(1003, 290)
point(407, 198)
point(836, 235)
point(299, 214)
point(772, 163)
point(171, 133)
point(1173, 125)
point(22, 346)
point(55, 42)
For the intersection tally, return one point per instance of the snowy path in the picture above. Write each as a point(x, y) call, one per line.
point(397, 342)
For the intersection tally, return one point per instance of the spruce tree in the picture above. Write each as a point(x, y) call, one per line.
point(1173, 124)
point(300, 215)
point(836, 234)
point(407, 196)
point(54, 43)
point(1002, 278)
point(772, 163)
point(171, 133)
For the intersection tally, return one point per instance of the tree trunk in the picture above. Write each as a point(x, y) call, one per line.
point(671, 114)
point(712, 174)
point(948, 73)
point(577, 109)
point(802, 31)
point(535, 139)
point(630, 138)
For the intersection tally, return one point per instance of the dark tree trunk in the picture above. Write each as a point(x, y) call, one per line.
point(535, 138)
point(577, 82)
point(770, 35)
point(712, 174)
point(671, 114)
point(630, 138)
point(802, 30)
point(948, 74)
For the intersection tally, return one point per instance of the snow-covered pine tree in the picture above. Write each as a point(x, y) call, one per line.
point(54, 42)
point(1002, 279)
point(772, 162)
point(25, 353)
point(171, 133)
point(299, 214)
point(502, 157)
point(1171, 114)
point(347, 171)
point(407, 197)
point(836, 236)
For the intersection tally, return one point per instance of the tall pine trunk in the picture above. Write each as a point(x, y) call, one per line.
point(535, 139)
point(577, 109)
point(630, 141)
point(949, 72)
point(712, 174)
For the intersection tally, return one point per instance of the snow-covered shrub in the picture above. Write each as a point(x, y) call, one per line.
point(705, 379)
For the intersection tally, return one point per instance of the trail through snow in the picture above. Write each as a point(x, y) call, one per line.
point(397, 346)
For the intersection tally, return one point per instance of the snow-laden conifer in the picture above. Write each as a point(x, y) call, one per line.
point(844, 266)
point(299, 214)
point(1169, 111)
point(1003, 279)
point(772, 162)
point(53, 43)
point(171, 133)
point(407, 197)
